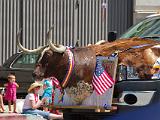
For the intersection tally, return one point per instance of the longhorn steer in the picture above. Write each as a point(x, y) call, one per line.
point(54, 61)
point(135, 52)
point(79, 84)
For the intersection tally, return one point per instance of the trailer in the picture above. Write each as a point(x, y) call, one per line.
point(95, 106)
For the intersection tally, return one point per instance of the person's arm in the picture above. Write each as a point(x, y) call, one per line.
point(38, 104)
point(35, 105)
point(5, 85)
point(16, 85)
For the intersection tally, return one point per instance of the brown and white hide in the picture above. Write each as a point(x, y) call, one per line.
point(142, 58)
point(56, 64)
point(80, 84)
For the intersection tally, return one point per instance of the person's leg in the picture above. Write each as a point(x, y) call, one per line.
point(14, 98)
point(9, 105)
point(46, 115)
point(37, 112)
point(1, 103)
point(45, 109)
point(55, 116)
point(14, 107)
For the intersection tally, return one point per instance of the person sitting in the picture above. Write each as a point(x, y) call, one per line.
point(32, 103)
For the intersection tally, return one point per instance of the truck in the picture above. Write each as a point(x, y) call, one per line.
point(131, 89)
point(130, 92)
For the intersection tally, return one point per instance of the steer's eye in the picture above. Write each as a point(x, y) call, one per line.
point(45, 59)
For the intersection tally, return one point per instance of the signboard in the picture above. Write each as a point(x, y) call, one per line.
point(94, 101)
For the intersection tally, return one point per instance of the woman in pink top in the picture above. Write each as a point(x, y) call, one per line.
point(11, 89)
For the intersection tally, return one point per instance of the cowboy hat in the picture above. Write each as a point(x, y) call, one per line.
point(34, 85)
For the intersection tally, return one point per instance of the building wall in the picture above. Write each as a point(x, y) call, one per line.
point(83, 20)
point(9, 23)
point(144, 8)
point(120, 16)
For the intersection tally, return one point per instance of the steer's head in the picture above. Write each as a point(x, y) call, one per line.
point(52, 60)
point(51, 63)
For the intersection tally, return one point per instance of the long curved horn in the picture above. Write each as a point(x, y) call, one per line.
point(25, 49)
point(100, 42)
point(57, 48)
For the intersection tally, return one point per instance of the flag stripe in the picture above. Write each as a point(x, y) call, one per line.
point(107, 81)
point(104, 83)
point(99, 82)
point(109, 78)
point(96, 88)
point(98, 85)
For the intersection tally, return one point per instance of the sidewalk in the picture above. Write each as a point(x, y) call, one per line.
point(18, 116)
point(19, 104)
point(12, 116)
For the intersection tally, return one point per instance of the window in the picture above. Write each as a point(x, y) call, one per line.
point(146, 28)
point(131, 73)
point(126, 73)
point(25, 61)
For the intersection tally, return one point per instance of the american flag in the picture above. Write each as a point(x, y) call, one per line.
point(101, 79)
point(56, 83)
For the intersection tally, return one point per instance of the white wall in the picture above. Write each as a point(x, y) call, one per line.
point(147, 5)
point(144, 8)
point(148, 2)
